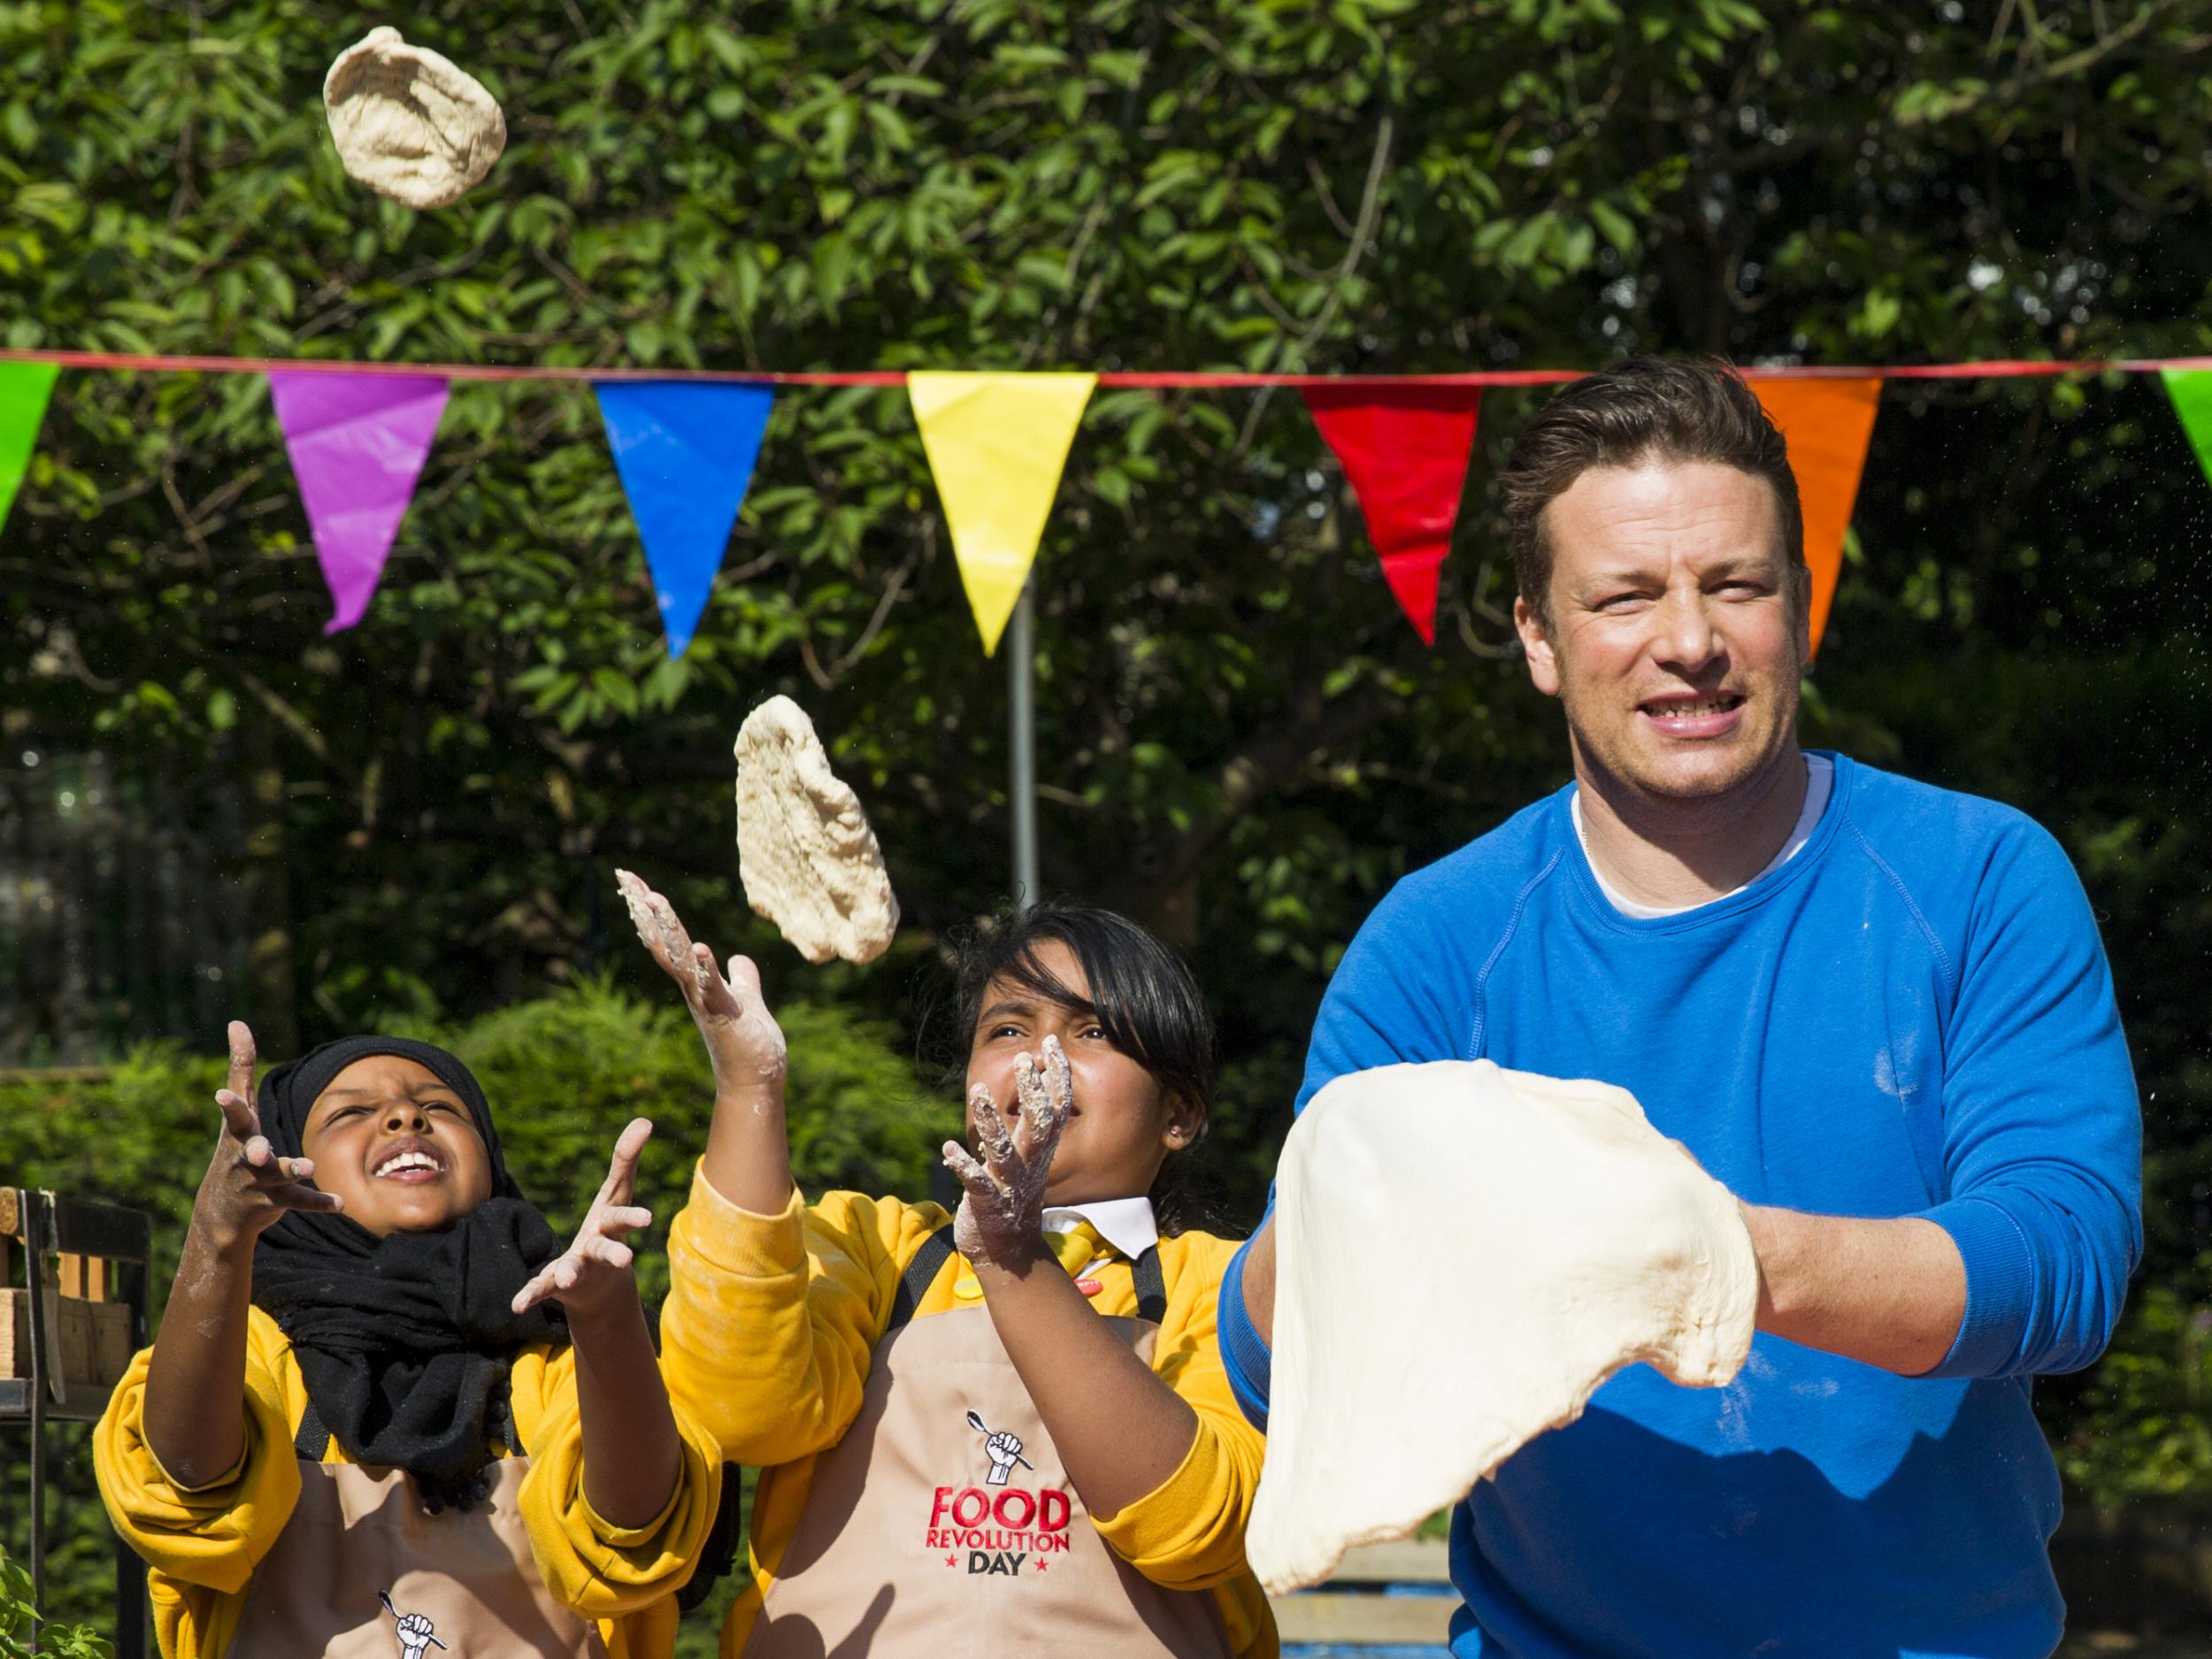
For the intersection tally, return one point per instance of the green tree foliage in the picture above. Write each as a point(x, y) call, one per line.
point(1243, 742)
point(19, 1614)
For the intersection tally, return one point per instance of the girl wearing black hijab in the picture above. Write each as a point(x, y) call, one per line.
point(385, 1406)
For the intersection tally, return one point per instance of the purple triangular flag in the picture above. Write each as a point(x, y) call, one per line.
point(357, 443)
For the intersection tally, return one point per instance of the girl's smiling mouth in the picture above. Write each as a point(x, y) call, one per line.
point(412, 1160)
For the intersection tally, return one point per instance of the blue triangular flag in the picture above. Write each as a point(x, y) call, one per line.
point(685, 450)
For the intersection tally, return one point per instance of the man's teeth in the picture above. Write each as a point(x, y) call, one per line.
point(408, 1161)
point(1704, 706)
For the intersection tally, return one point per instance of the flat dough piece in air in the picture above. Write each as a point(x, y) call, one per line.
point(810, 862)
point(1465, 1254)
point(409, 123)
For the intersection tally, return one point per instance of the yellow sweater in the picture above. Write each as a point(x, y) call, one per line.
point(202, 1547)
point(768, 1332)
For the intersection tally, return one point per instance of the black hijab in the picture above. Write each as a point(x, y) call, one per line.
point(404, 1342)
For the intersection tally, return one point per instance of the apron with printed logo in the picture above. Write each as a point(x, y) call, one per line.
point(944, 1523)
point(363, 1570)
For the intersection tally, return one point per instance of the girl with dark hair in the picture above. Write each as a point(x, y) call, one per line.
point(1006, 1431)
point(386, 1407)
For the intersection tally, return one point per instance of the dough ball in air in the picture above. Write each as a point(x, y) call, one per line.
point(407, 123)
point(809, 860)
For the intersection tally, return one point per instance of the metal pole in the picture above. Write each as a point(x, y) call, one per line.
point(32, 1207)
point(1021, 671)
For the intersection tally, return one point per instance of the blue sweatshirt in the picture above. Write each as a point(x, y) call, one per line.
point(1913, 1017)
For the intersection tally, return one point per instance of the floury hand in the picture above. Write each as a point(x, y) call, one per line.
point(1003, 1206)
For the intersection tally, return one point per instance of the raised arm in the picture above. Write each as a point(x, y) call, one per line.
point(196, 1379)
point(1119, 1429)
point(770, 1311)
point(631, 1456)
point(747, 1157)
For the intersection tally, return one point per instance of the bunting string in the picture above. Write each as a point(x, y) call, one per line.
point(1110, 380)
point(685, 442)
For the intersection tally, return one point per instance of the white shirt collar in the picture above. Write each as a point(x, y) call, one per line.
point(1820, 776)
point(1128, 1224)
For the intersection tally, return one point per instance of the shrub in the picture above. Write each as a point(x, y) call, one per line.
point(17, 1615)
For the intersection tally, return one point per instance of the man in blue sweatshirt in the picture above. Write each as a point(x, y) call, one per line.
point(1877, 1011)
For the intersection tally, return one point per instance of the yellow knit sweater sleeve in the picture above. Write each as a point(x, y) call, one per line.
point(770, 1320)
point(601, 1570)
point(204, 1545)
point(216, 1535)
point(1188, 1532)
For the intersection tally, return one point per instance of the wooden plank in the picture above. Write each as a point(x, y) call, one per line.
point(83, 1403)
point(1322, 1616)
point(94, 1229)
point(94, 1338)
point(1408, 1560)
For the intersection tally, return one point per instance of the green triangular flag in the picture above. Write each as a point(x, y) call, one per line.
point(24, 389)
point(2191, 392)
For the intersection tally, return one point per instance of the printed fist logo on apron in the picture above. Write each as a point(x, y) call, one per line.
point(1000, 1530)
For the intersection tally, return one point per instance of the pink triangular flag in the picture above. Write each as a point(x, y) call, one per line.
point(1404, 451)
point(357, 443)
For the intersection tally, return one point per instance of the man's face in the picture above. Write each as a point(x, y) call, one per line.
point(1672, 639)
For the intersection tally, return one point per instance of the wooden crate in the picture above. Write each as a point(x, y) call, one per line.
point(94, 1336)
point(1352, 1608)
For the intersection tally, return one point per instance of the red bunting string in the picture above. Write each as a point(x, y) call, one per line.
point(2012, 368)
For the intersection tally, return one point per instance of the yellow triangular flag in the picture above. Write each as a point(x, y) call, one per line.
point(996, 444)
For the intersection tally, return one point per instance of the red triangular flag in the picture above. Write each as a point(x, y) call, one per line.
point(1827, 424)
point(1405, 452)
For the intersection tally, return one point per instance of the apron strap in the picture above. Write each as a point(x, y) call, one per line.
point(920, 1274)
point(313, 1439)
point(1151, 1286)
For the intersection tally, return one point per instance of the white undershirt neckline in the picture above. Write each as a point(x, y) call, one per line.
point(1820, 775)
point(1128, 1224)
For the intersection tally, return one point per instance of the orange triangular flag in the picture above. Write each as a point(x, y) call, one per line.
point(1826, 424)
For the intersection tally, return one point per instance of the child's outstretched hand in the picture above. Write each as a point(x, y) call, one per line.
point(742, 1038)
point(594, 1272)
point(248, 1187)
point(1004, 1206)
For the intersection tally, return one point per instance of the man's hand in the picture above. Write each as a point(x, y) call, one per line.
point(743, 1041)
point(1003, 1209)
point(248, 1187)
point(594, 1272)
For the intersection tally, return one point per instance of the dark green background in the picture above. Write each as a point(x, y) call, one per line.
point(1243, 742)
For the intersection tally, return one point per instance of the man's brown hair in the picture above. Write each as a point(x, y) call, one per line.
point(1642, 409)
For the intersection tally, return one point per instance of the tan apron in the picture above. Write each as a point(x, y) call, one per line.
point(944, 1523)
point(461, 1585)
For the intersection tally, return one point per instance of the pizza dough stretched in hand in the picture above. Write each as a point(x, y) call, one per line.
point(409, 123)
point(809, 860)
point(1463, 1254)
